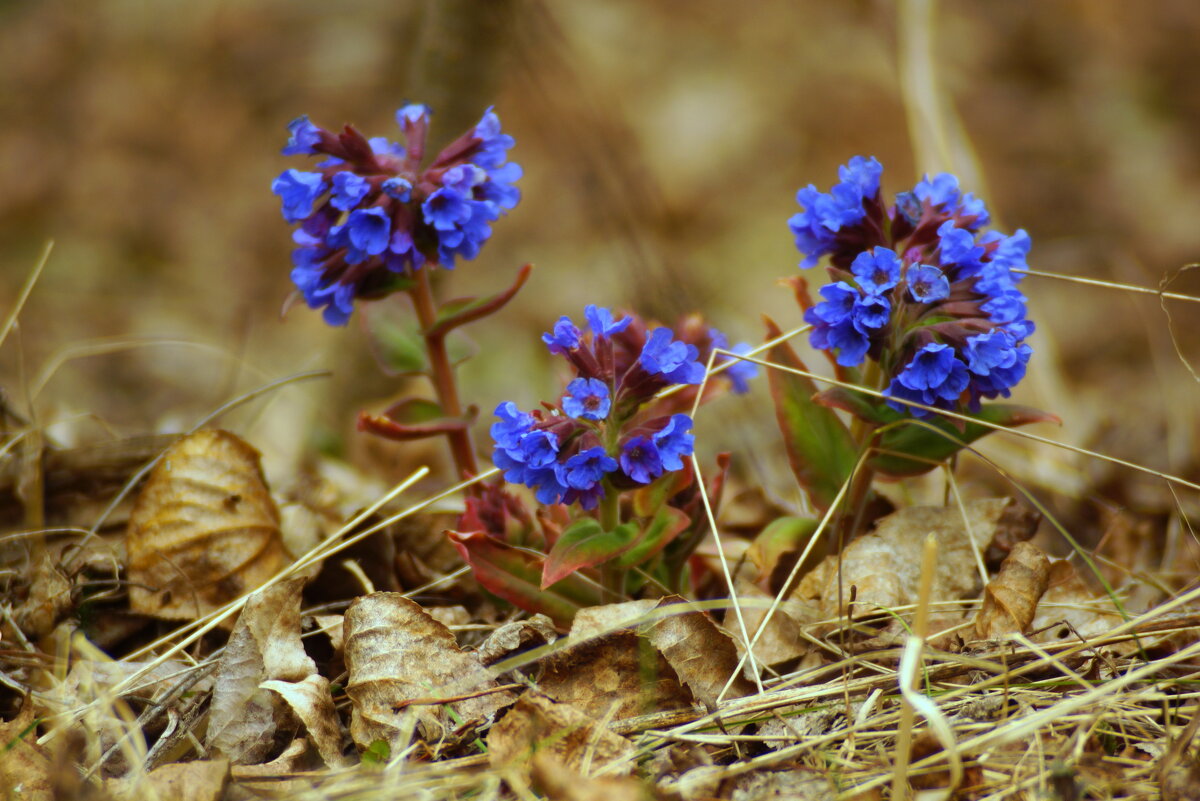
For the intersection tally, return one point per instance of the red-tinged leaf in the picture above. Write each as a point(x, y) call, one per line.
point(397, 343)
point(585, 543)
point(649, 499)
point(818, 444)
point(515, 575)
point(780, 537)
point(456, 313)
point(413, 418)
point(859, 404)
point(655, 535)
point(911, 447)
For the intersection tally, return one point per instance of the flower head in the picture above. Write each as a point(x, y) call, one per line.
point(919, 287)
point(372, 205)
point(587, 398)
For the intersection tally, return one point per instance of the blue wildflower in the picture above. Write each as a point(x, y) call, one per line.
point(740, 372)
point(942, 191)
point(564, 337)
point(673, 360)
point(871, 312)
point(587, 468)
point(600, 320)
point(640, 459)
point(877, 270)
point(303, 137)
point(936, 369)
point(398, 189)
point(513, 424)
point(298, 190)
point(815, 228)
point(674, 442)
point(927, 284)
point(587, 398)
point(348, 190)
point(447, 209)
point(369, 230)
point(493, 143)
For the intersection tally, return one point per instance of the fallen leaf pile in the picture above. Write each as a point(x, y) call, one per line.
point(222, 672)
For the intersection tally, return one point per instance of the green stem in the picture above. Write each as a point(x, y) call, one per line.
point(612, 577)
point(442, 373)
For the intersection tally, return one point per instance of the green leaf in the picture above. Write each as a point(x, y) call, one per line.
point(398, 344)
point(585, 543)
point(515, 575)
point(780, 537)
point(377, 753)
point(819, 445)
point(911, 447)
point(655, 536)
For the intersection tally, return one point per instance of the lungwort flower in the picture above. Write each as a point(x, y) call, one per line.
point(610, 430)
point(918, 287)
point(371, 211)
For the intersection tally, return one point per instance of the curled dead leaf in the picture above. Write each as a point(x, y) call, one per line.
point(203, 530)
point(1011, 598)
point(536, 724)
point(702, 654)
point(312, 702)
point(396, 653)
point(265, 645)
point(201, 780)
point(1069, 607)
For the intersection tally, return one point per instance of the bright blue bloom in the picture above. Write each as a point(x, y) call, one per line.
point(936, 369)
point(348, 190)
point(942, 191)
point(927, 284)
point(565, 336)
point(990, 351)
point(675, 361)
point(876, 271)
point(398, 189)
point(513, 425)
point(587, 398)
point(337, 298)
point(588, 498)
point(586, 469)
point(850, 342)
point(1001, 379)
point(369, 230)
point(547, 483)
point(446, 209)
point(823, 215)
point(494, 144)
point(382, 146)
point(600, 320)
point(464, 178)
point(640, 460)
point(837, 306)
point(958, 248)
point(499, 189)
point(871, 312)
point(303, 138)
point(298, 191)
point(674, 442)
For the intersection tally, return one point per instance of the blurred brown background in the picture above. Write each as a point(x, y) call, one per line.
point(663, 144)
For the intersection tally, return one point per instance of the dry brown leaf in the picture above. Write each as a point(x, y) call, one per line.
point(555, 780)
point(266, 779)
point(536, 724)
point(24, 765)
point(796, 785)
point(397, 653)
point(49, 598)
point(884, 566)
point(620, 674)
point(702, 655)
point(1068, 600)
point(518, 635)
point(312, 702)
point(265, 644)
point(202, 780)
point(204, 529)
point(332, 627)
point(1011, 598)
point(593, 621)
point(781, 641)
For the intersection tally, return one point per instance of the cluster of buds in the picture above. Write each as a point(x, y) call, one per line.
point(370, 213)
point(918, 287)
point(610, 428)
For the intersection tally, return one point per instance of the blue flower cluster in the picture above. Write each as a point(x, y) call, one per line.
point(371, 212)
point(919, 288)
point(608, 429)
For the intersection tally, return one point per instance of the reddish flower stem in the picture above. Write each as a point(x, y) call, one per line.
point(442, 373)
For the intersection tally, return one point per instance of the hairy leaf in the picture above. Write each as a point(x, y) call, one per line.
point(515, 575)
point(818, 444)
point(585, 543)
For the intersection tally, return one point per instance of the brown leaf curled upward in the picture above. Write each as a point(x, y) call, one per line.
point(204, 529)
point(1010, 600)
